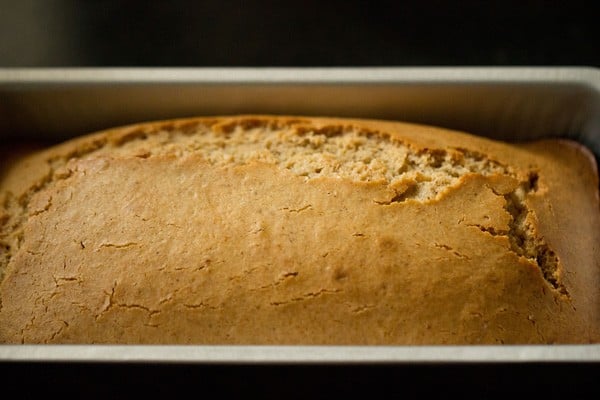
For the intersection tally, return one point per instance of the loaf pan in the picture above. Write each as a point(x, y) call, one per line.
point(50, 105)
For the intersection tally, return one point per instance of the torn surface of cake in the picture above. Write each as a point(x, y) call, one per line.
point(299, 230)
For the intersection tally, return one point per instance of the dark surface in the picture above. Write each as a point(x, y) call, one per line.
point(477, 381)
point(300, 33)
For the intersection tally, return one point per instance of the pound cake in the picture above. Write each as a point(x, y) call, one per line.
point(299, 230)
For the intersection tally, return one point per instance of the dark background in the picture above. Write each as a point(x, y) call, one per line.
point(60, 33)
point(297, 33)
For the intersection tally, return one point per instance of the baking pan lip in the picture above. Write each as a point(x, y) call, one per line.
point(300, 354)
point(306, 75)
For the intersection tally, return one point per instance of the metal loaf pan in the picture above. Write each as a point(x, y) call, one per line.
point(50, 105)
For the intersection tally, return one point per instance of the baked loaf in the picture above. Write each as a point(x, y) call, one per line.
point(298, 230)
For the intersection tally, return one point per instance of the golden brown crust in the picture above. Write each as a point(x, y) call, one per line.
point(299, 230)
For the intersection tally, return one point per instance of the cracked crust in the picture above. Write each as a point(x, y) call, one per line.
point(294, 230)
